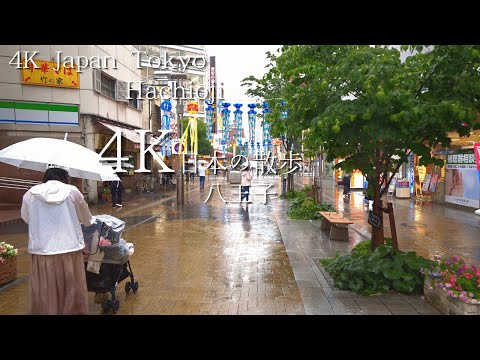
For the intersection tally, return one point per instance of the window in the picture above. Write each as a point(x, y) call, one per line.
point(108, 86)
point(134, 101)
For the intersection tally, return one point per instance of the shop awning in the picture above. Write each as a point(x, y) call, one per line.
point(127, 133)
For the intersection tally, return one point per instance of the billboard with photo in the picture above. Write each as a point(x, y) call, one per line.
point(462, 185)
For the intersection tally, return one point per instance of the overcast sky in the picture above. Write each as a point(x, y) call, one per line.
point(236, 62)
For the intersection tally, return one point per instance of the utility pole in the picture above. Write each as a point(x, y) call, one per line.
point(180, 184)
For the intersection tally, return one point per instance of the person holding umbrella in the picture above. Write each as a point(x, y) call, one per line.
point(116, 189)
point(54, 211)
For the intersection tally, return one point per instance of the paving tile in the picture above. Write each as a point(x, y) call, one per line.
point(233, 260)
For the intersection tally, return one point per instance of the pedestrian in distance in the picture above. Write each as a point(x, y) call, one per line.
point(246, 183)
point(116, 189)
point(346, 184)
point(54, 211)
point(201, 174)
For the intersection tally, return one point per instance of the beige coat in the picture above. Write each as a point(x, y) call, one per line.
point(246, 178)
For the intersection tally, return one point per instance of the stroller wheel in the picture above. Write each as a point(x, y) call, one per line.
point(135, 287)
point(115, 305)
point(128, 287)
point(106, 306)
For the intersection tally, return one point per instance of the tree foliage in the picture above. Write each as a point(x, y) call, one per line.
point(371, 106)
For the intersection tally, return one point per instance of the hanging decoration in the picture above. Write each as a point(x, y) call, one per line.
point(225, 126)
point(209, 119)
point(238, 125)
point(191, 129)
point(284, 117)
point(267, 141)
point(166, 107)
point(252, 116)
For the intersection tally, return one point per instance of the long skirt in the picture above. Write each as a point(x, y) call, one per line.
point(58, 285)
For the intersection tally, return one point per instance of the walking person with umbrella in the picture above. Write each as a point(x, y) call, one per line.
point(116, 189)
point(54, 211)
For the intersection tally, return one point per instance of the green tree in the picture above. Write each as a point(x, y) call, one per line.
point(274, 88)
point(233, 147)
point(365, 105)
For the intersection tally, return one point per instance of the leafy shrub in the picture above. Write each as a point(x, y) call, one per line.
point(363, 248)
point(384, 270)
point(307, 188)
point(291, 194)
point(304, 209)
point(325, 207)
point(303, 206)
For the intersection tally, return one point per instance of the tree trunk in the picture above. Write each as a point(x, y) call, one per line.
point(377, 234)
point(290, 185)
point(393, 227)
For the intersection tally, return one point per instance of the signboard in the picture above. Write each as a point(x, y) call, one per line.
point(176, 146)
point(433, 183)
point(213, 91)
point(421, 170)
point(402, 188)
point(391, 187)
point(426, 182)
point(65, 77)
point(476, 148)
point(411, 172)
point(462, 185)
point(402, 184)
point(36, 113)
point(464, 160)
point(374, 220)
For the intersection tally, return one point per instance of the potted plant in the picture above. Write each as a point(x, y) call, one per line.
point(105, 193)
point(8, 263)
point(453, 286)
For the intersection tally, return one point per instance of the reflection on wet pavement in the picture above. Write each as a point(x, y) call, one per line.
point(219, 258)
point(426, 228)
point(197, 259)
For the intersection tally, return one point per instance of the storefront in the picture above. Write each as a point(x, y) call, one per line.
point(357, 180)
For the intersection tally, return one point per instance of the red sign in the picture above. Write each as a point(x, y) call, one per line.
point(476, 148)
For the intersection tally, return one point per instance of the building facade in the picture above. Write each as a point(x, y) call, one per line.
point(89, 105)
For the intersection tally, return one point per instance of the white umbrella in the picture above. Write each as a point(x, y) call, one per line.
point(37, 153)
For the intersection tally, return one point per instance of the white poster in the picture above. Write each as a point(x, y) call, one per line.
point(462, 187)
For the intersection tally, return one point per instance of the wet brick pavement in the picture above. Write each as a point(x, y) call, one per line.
point(218, 258)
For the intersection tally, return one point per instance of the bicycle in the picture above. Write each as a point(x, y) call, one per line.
point(141, 187)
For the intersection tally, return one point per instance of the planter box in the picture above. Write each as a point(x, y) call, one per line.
point(8, 270)
point(445, 304)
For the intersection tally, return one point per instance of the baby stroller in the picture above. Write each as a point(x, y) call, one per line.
point(107, 259)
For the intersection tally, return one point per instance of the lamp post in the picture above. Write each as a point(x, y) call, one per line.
point(180, 193)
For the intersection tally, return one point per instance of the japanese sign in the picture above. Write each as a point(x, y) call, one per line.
point(48, 75)
point(461, 161)
point(374, 220)
point(213, 91)
point(462, 185)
